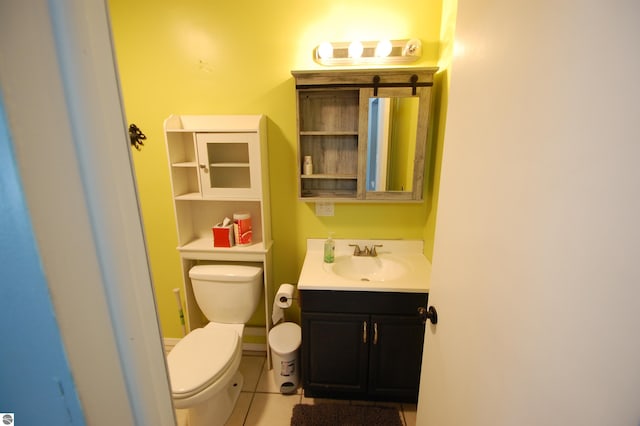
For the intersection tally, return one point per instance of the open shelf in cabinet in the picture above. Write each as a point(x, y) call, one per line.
point(185, 182)
point(328, 133)
point(329, 186)
point(328, 110)
point(331, 155)
point(197, 218)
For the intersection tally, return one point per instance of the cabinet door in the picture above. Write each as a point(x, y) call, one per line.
point(396, 356)
point(229, 165)
point(335, 354)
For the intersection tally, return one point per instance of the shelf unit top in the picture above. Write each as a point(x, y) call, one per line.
point(359, 75)
point(202, 249)
point(206, 123)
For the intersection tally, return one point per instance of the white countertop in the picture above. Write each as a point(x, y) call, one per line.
point(318, 275)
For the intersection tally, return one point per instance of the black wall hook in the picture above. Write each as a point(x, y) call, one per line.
point(136, 136)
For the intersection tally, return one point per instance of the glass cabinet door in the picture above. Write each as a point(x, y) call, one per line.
point(228, 165)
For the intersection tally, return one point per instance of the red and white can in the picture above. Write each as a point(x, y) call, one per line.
point(242, 228)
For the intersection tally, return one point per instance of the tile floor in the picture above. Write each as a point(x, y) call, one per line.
point(260, 402)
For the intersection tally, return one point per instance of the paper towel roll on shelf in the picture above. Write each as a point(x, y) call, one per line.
point(283, 300)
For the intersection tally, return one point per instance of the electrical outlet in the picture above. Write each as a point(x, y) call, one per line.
point(324, 209)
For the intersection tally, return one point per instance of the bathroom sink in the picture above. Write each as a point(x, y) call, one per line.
point(400, 266)
point(383, 267)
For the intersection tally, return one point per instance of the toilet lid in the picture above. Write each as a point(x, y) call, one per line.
point(200, 358)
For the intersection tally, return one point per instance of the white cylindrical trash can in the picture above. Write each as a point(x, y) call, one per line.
point(284, 341)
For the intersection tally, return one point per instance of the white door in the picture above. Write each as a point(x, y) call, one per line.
point(536, 266)
point(70, 142)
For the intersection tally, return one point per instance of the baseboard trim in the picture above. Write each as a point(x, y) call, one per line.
point(255, 331)
point(254, 347)
point(169, 343)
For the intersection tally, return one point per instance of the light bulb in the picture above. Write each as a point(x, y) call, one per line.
point(355, 49)
point(383, 49)
point(325, 50)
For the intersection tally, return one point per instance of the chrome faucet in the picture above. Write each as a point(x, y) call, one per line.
point(356, 250)
point(373, 252)
point(368, 252)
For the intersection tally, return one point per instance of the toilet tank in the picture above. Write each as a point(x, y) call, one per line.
point(227, 293)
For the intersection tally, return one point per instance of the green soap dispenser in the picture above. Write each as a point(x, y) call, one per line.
point(329, 249)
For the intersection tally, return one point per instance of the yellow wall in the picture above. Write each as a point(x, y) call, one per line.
point(206, 57)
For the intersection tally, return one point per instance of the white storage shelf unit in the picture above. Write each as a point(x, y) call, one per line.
point(218, 167)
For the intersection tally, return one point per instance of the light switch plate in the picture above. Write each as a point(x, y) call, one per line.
point(324, 209)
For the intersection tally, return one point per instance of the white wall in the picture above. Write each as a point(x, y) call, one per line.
point(60, 89)
point(535, 267)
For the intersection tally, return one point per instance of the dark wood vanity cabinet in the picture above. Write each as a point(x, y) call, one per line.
point(362, 345)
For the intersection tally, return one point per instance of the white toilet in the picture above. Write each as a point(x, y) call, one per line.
point(203, 366)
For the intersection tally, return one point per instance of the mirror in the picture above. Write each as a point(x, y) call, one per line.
point(393, 125)
point(394, 148)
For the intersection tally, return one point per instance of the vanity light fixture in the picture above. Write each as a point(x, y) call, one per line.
point(368, 52)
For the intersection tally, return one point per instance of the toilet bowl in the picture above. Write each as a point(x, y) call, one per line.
point(203, 366)
point(203, 370)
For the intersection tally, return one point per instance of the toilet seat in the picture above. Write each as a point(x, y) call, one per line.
point(200, 359)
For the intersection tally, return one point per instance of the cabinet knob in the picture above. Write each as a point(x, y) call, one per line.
point(428, 314)
point(203, 167)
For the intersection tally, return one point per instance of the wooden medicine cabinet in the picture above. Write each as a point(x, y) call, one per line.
point(365, 131)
